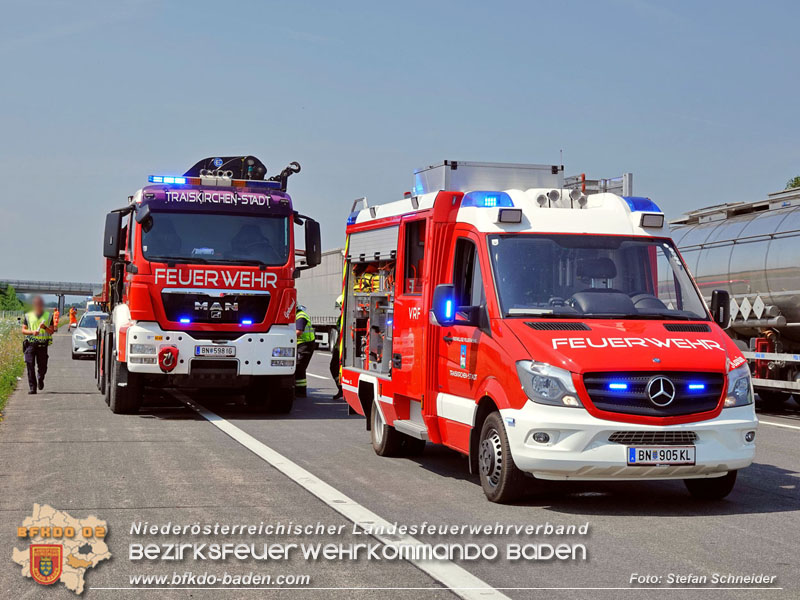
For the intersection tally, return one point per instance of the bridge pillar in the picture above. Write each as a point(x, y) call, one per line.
point(61, 304)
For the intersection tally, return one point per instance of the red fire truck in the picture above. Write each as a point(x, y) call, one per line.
point(542, 330)
point(200, 285)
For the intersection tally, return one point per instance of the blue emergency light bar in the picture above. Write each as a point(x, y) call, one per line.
point(617, 386)
point(641, 204)
point(185, 320)
point(487, 200)
point(166, 179)
point(697, 386)
point(247, 321)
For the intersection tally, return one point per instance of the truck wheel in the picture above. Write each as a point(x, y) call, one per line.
point(713, 488)
point(386, 440)
point(127, 399)
point(501, 480)
point(281, 401)
point(773, 398)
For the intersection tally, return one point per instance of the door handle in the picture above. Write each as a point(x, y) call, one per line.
point(397, 361)
point(448, 338)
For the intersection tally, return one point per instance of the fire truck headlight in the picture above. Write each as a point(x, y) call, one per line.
point(547, 384)
point(740, 388)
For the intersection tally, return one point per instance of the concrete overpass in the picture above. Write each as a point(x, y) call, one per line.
point(57, 288)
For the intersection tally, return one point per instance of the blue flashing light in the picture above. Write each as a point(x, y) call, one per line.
point(166, 179)
point(247, 321)
point(448, 308)
point(697, 386)
point(617, 386)
point(487, 200)
point(257, 183)
point(641, 204)
point(351, 219)
point(185, 320)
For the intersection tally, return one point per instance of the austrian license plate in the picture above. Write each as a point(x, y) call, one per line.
point(655, 455)
point(215, 350)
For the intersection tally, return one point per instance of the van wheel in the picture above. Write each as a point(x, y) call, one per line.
point(386, 440)
point(127, 399)
point(712, 488)
point(501, 480)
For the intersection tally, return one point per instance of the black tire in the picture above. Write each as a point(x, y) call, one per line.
point(267, 393)
point(714, 488)
point(281, 401)
point(126, 399)
point(501, 480)
point(386, 440)
point(773, 398)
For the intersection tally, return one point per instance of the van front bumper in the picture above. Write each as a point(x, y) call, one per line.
point(579, 446)
point(253, 354)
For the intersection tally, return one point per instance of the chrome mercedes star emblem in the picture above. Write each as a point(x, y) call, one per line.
point(661, 391)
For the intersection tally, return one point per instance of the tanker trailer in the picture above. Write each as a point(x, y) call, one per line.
point(752, 249)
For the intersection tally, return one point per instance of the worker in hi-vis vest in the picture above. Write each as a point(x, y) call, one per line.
point(305, 349)
point(37, 327)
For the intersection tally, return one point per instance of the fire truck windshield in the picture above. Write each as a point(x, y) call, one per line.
point(591, 276)
point(217, 238)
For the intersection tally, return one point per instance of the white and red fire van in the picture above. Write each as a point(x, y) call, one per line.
point(543, 331)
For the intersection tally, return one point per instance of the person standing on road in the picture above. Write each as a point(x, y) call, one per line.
point(335, 358)
point(37, 327)
point(73, 318)
point(305, 350)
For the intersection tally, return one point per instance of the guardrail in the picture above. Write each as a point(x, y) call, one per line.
point(11, 314)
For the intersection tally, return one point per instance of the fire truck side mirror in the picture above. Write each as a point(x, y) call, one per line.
point(721, 307)
point(111, 235)
point(144, 218)
point(444, 304)
point(313, 243)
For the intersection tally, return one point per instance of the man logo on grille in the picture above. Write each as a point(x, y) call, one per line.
point(661, 391)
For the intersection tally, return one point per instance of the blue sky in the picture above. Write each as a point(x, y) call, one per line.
point(698, 99)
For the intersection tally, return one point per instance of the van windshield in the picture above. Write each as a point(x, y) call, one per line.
point(217, 238)
point(578, 276)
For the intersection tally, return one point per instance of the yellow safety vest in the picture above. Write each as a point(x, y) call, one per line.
point(308, 333)
point(41, 337)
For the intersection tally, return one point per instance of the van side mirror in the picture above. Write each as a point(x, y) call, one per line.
point(721, 307)
point(313, 243)
point(443, 306)
point(111, 235)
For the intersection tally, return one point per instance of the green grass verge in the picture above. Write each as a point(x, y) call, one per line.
point(12, 362)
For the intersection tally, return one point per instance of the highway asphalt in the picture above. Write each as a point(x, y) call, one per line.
point(171, 464)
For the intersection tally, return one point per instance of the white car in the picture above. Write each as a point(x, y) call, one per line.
point(84, 338)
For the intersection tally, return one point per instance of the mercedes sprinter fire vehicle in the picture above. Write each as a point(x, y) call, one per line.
point(544, 329)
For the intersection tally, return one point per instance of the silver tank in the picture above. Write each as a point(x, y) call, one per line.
point(753, 251)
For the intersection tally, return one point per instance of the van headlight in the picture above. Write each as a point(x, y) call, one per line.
point(740, 388)
point(546, 384)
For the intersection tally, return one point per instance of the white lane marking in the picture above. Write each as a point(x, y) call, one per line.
point(455, 578)
point(762, 422)
point(317, 376)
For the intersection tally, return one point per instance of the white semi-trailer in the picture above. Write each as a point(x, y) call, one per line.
point(317, 290)
point(750, 249)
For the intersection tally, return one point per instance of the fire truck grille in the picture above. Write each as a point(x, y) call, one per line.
point(653, 438)
point(203, 308)
point(632, 392)
point(687, 327)
point(557, 326)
